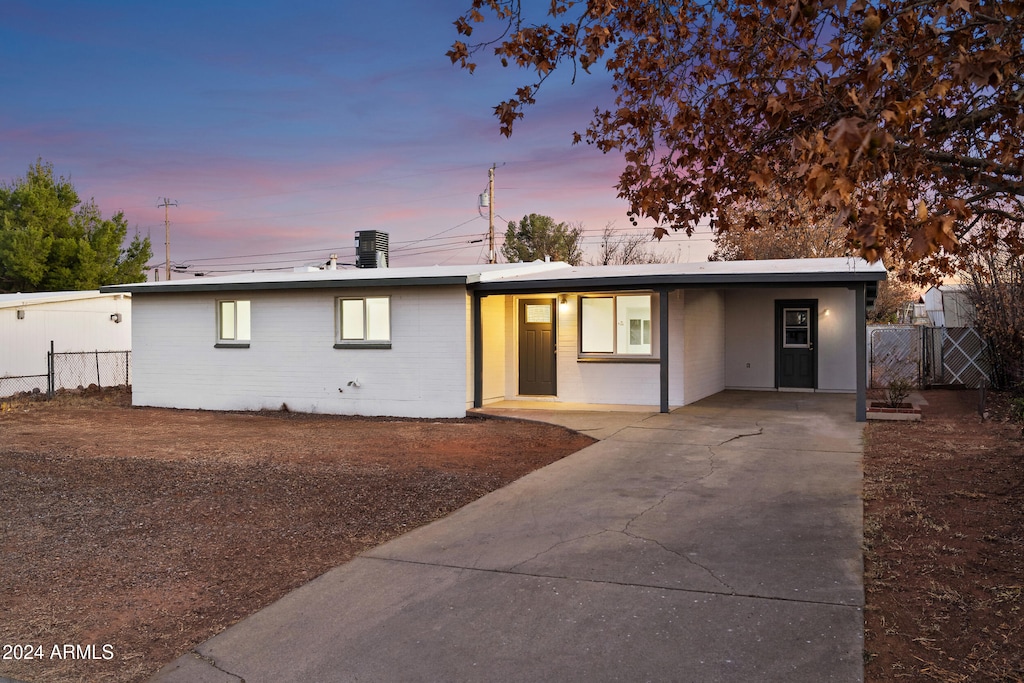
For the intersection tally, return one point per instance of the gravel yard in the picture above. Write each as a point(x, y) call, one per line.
point(131, 534)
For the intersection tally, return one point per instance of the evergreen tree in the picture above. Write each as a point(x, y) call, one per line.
point(537, 237)
point(50, 240)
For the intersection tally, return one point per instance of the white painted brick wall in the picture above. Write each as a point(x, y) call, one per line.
point(676, 360)
point(291, 359)
point(493, 312)
point(703, 344)
point(750, 337)
point(583, 382)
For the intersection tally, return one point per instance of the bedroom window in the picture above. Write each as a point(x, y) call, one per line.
point(615, 325)
point(233, 324)
point(364, 323)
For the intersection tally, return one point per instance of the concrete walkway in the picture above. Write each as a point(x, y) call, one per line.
point(720, 542)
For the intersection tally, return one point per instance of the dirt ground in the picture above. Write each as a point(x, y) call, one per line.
point(131, 534)
point(944, 544)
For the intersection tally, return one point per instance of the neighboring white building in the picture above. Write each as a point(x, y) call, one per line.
point(949, 306)
point(73, 321)
point(434, 341)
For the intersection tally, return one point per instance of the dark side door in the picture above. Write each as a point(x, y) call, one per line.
point(537, 347)
point(796, 341)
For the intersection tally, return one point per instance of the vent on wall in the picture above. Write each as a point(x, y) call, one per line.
point(371, 249)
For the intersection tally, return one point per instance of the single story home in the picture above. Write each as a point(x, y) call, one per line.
point(436, 341)
point(72, 321)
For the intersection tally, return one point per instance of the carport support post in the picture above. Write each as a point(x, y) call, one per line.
point(862, 353)
point(663, 341)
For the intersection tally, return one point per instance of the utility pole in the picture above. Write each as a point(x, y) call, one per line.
point(490, 213)
point(167, 231)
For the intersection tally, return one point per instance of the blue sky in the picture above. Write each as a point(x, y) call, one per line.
point(282, 128)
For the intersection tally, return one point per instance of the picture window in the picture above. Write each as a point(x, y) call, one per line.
point(616, 325)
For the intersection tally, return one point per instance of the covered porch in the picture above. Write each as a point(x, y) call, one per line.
point(663, 337)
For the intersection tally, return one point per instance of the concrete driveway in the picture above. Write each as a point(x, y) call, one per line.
point(720, 542)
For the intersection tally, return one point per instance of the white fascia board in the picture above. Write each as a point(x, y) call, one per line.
point(39, 298)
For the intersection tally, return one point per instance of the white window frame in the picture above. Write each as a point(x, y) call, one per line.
point(239, 334)
point(804, 327)
point(612, 349)
point(365, 333)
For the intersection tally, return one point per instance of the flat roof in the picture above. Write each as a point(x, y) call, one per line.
point(834, 271)
point(348, 277)
point(539, 276)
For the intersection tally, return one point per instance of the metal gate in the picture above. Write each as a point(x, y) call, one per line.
point(894, 353)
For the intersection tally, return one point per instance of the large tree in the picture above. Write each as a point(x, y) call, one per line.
point(539, 237)
point(623, 249)
point(781, 228)
point(903, 117)
point(50, 240)
point(808, 232)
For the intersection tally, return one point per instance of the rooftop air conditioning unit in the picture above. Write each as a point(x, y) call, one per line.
point(371, 249)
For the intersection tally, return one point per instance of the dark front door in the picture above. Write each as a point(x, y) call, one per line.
point(796, 337)
point(537, 347)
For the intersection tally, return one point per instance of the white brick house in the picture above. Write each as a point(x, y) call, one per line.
point(432, 342)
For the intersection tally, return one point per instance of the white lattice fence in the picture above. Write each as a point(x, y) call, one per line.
point(963, 357)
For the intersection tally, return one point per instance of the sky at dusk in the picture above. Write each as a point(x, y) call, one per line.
point(280, 129)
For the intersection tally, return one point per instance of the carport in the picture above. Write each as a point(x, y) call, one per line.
point(796, 324)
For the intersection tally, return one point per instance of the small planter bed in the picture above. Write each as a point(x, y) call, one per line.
point(880, 410)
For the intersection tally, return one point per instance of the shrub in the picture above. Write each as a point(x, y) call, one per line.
point(897, 392)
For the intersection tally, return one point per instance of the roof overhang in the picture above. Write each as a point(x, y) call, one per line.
point(838, 272)
point(463, 276)
point(536, 277)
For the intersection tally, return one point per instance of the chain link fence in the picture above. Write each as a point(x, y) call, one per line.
point(894, 353)
point(73, 370)
point(11, 385)
point(79, 370)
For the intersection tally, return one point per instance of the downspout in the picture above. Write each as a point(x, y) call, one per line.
point(663, 341)
point(478, 352)
point(862, 352)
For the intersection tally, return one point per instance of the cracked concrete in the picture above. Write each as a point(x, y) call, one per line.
point(717, 543)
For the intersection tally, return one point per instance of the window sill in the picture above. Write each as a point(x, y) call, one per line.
point(231, 345)
point(616, 359)
point(363, 345)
